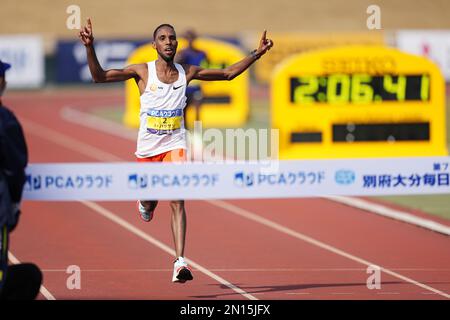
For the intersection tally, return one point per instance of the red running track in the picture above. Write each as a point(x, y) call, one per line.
point(249, 249)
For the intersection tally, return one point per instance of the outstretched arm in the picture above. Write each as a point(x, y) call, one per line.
point(231, 72)
point(97, 72)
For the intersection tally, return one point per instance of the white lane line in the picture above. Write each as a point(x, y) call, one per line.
point(112, 270)
point(97, 123)
point(88, 120)
point(67, 142)
point(43, 290)
point(298, 293)
point(253, 270)
point(342, 293)
point(391, 213)
point(254, 217)
point(93, 152)
point(428, 293)
point(116, 219)
point(389, 292)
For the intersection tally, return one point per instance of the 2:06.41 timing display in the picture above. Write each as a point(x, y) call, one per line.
point(359, 88)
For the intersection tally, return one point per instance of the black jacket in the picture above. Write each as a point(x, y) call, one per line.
point(13, 160)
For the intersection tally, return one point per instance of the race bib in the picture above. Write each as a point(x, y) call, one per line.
point(164, 121)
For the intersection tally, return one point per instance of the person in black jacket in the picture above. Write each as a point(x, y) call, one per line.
point(21, 281)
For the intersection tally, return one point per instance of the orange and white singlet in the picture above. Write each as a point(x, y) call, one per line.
point(162, 115)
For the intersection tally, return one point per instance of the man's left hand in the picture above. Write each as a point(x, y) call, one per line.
point(264, 44)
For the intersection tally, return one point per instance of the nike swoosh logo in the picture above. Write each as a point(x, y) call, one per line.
point(175, 88)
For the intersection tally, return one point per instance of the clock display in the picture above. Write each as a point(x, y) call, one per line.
point(359, 88)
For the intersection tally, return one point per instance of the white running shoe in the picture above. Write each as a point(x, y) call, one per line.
point(181, 271)
point(146, 216)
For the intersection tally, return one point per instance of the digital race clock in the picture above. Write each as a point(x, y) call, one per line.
point(358, 101)
point(359, 88)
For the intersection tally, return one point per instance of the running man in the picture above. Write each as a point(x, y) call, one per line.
point(161, 138)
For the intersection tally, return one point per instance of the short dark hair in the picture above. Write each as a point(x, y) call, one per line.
point(162, 26)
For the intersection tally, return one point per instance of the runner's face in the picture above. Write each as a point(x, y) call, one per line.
point(166, 43)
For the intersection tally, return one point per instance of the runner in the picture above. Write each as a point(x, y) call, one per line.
point(162, 86)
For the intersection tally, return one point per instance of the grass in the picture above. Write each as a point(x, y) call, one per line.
point(438, 205)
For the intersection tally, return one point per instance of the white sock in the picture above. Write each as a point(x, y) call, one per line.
point(180, 260)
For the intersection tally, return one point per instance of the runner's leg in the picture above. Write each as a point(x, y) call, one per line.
point(178, 226)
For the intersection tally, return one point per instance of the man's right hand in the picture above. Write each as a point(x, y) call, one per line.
point(86, 34)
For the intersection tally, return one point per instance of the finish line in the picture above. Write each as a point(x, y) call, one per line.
point(119, 181)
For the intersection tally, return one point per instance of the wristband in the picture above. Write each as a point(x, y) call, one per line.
point(255, 55)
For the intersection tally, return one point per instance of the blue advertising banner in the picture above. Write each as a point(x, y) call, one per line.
point(71, 60)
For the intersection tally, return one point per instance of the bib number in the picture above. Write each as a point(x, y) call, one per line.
point(163, 121)
point(167, 124)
